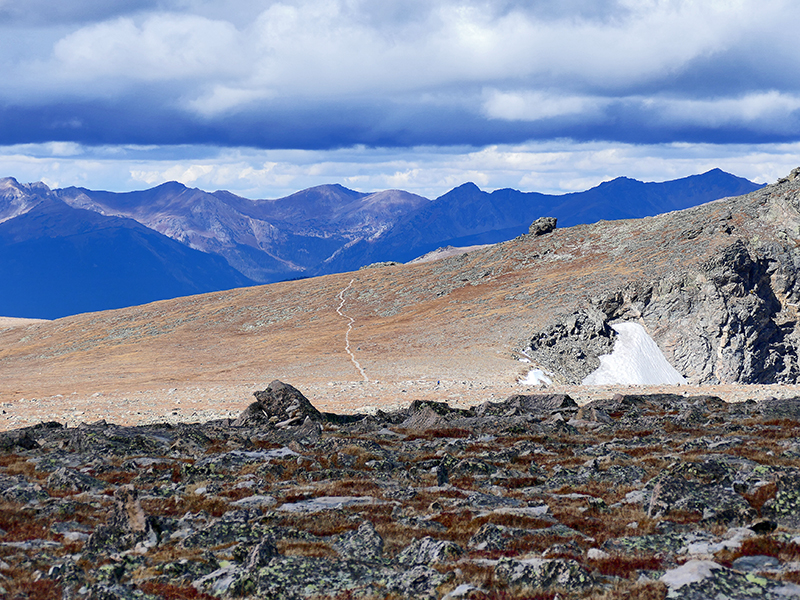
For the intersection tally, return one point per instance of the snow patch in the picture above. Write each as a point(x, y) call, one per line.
point(536, 377)
point(636, 360)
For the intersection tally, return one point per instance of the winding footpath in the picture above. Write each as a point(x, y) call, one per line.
point(349, 328)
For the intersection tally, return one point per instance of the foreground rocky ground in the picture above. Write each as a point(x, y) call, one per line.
point(533, 497)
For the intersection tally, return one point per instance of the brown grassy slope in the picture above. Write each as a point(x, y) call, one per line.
point(457, 318)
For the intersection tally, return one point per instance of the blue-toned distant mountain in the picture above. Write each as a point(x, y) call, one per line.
point(467, 216)
point(267, 240)
point(56, 260)
point(120, 249)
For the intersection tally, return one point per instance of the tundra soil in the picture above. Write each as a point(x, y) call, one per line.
point(183, 361)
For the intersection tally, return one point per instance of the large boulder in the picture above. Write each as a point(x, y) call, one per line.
point(280, 404)
point(542, 573)
point(542, 225)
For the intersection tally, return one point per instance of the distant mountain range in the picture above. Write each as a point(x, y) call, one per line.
point(72, 250)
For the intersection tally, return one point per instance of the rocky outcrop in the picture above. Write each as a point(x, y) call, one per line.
point(660, 496)
point(542, 225)
point(571, 346)
point(281, 405)
point(731, 316)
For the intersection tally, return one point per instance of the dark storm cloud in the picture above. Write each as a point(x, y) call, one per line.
point(322, 74)
point(49, 12)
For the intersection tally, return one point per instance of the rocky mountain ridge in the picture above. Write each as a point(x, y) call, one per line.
point(330, 228)
point(730, 316)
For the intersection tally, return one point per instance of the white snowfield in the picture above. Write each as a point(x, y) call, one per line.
point(635, 360)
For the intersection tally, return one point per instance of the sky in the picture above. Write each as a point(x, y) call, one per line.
point(265, 98)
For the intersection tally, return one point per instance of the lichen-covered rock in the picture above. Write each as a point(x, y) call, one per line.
point(658, 544)
point(363, 543)
point(784, 508)
point(705, 487)
point(704, 579)
point(296, 577)
point(543, 573)
point(69, 480)
point(427, 551)
point(234, 526)
point(17, 489)
point(128, 526)
point(491, 537)
point(261, 554)
point(111, 592)
point(611, 474)
point(419, 581)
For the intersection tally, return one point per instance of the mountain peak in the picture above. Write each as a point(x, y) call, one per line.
point(6, 182)
point(11, 183)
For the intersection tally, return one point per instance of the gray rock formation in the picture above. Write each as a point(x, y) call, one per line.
point(572, 345)
point(542, 225)
point(723, 309)
point(281, 405)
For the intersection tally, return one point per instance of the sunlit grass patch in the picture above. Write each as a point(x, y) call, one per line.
point(172, 592)
point(315, 549)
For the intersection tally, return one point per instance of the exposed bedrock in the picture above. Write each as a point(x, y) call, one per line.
point(731, 319)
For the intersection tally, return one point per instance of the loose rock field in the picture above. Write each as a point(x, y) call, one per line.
point(532, 496)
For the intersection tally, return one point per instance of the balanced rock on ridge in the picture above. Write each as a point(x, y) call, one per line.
point(542, 225)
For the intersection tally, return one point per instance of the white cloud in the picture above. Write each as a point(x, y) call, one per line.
point(533, 106)
point(346, 47)
point(770, 109)
point(162, 47)
point(222, 99)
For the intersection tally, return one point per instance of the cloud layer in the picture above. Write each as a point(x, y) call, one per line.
point(323, 74)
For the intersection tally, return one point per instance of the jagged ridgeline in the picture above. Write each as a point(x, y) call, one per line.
point(716, 287)
point(654, 496)
point(105, 250)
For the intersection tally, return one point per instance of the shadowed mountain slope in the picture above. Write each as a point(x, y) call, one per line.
point(329, 228)
point(56, 260)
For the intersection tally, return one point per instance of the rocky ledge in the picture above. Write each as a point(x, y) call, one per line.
point(658, 496)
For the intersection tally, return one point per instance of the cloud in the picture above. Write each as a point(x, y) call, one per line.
point(770, 110)
point(46, 12)
point(164, 46)
point(535, 105)
point(319, 74)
